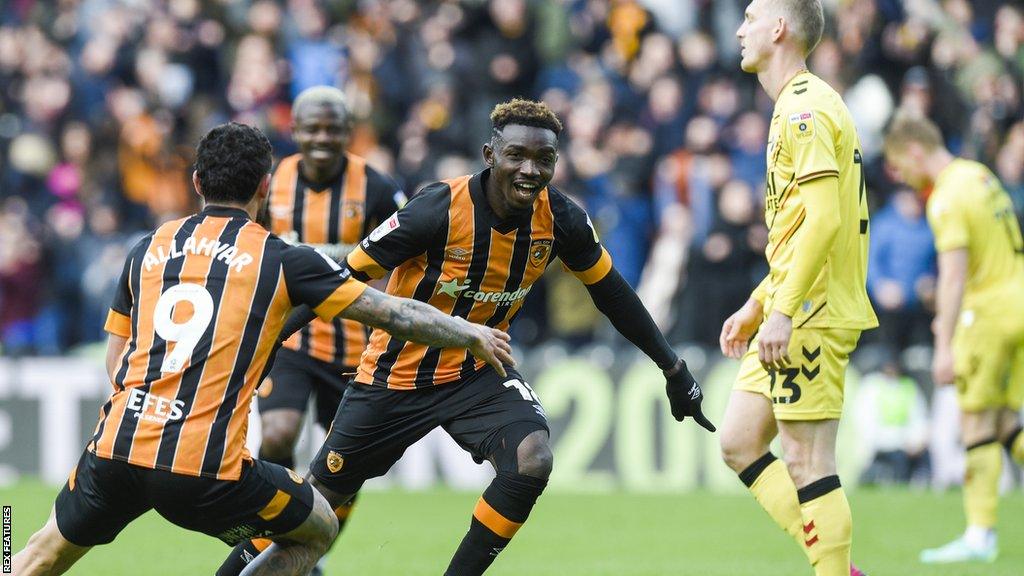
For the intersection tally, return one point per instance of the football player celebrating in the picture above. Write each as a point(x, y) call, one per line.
point(473, 247)
point(198, 312)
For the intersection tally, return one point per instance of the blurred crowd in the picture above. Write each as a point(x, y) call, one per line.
point(102, 102)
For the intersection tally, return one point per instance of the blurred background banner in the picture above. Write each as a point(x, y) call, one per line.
point(609, 421)
point(103, 101)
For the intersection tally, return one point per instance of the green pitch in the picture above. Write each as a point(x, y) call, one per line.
point(413, 533)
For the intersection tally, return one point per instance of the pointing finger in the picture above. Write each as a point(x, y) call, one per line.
point(699, 418)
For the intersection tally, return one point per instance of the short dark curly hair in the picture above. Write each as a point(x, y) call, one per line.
point(525, 113)
point(231, 160)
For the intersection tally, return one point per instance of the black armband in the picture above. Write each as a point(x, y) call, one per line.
point(615, 298)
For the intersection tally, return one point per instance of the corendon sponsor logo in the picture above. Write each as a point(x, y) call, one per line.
point(154, 408)
point(455, 288)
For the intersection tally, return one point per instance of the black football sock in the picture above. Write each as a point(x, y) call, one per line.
point(499, 513)
point(240, 557)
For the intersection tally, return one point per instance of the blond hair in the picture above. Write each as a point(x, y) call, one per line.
point(806, 19)
point(320, 96)
point(906, 129)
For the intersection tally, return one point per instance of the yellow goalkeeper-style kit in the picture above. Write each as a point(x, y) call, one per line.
point(969, 209)
point(815, 194)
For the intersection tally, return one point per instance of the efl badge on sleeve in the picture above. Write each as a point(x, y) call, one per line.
point(539, 251)
point(386, 227)
point(802, 125)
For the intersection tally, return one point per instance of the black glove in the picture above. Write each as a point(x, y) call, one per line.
point(685, 395)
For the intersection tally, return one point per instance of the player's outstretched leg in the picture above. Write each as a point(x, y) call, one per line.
point(981, 492)
point(827, 529)
point(747, 430)
point(522, 475)
point(295, 553)
point(244, 553)
point(47, 552)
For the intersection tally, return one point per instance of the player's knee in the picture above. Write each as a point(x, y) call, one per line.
point(278, 439)
point(979, 427)
point(736, 453)
point(534, 457)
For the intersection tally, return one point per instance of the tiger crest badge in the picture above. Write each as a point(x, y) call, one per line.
point(334, 462)
point(539, 251)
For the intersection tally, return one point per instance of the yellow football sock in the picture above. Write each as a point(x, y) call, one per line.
point(773, 488)
point(827, 526)
point(981, 483)
point(1015, 445)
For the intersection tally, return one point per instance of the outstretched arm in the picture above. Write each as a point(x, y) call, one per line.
point(415, 321)
point(614, 297)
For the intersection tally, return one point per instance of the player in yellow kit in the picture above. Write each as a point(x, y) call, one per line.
point(809, 311)
point(979, 321)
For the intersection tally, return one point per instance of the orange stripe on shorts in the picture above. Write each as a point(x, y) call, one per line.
point(276, 505)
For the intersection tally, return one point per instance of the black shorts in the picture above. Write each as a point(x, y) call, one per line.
point(295, 376)
point(102, 496)
point(375, 425)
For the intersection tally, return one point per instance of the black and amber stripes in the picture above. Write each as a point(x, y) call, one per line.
point(332, 216)
point(193, 420)
point(481, 271)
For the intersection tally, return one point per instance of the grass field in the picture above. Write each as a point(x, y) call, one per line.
point(414, 533)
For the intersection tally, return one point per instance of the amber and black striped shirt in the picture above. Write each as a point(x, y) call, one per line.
point(202, 301)
point(449, 249)
point(333, 219)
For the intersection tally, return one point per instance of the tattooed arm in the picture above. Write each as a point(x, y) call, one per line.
point(416, 321)
point(330, 291)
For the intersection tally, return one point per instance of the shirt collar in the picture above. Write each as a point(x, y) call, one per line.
point(221, 211)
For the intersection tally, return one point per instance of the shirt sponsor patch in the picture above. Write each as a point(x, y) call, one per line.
point(386, 227)
point(802, 124)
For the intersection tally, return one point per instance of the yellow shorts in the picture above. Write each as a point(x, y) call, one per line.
point(988, 358)
point(811, 388)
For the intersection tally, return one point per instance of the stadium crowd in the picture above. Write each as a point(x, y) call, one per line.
point(102, 102)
